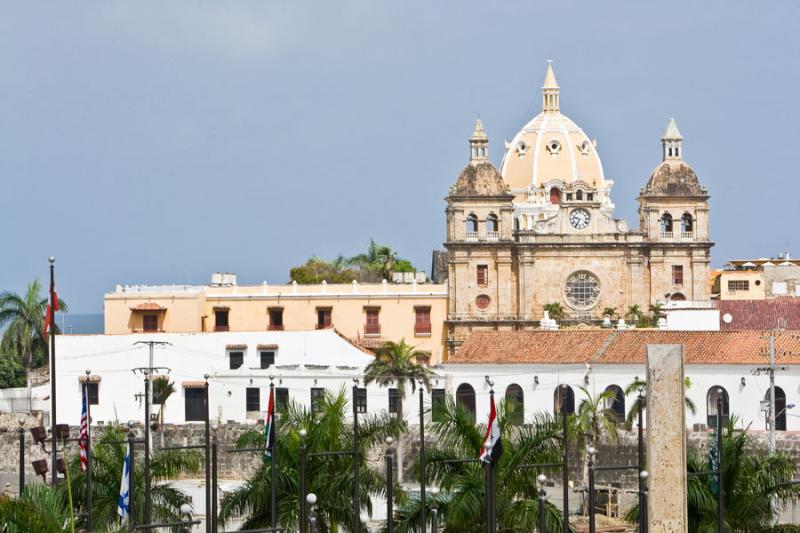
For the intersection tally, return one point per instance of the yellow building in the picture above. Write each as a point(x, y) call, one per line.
point(368, 314)
point(758, 279)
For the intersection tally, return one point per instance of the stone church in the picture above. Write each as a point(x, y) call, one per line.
point(541, 230)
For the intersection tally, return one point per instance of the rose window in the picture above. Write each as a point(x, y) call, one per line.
point(582, 290)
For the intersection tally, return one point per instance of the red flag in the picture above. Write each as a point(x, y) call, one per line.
point(55, 301)
point(83, 437)
point(48, 319)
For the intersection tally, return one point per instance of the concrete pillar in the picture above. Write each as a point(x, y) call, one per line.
point(666, 439)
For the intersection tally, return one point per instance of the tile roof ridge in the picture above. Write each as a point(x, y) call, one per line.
point(612, 335)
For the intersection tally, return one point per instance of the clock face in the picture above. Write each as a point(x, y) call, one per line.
point(579, 218)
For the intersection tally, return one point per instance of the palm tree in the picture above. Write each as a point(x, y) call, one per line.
point(163, 388)
point(24, 318)
point(639, 386)
point(41, 508)
point(754, 486)
point(460, 503)
point(555, 310)
point(396, 363)
point(108, 453)
point(656, 310)
point(634, 314)
point(610, 312)
point(330, 478)
point(595, 419)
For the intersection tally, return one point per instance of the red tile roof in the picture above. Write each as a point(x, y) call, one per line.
point(760, 314)
point(148, 306)
point(624, 347)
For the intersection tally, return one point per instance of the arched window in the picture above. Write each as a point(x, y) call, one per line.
point(579, 194)
point(666, 222)
point(677, 297)
point(555, 195)
point(780, 409)
point(687, 224)
point(516, 223)
point(515, 399)
point(711, 405)
point(564, 397)
point(492, 223)
point(617, 402)
point(465, 397)
point(472, 225)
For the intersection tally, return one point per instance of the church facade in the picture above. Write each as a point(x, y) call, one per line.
point(541, 230)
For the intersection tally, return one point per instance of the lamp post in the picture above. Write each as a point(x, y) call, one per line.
point(422, 523)
point(720, 480)
point(208, 450)
point(186, 516)
point(489, 489)
point(389, 487)
point(21, 422)
point(643, 475)
point(89, 454)
point(132, 479)
point(434, 510)
point(541, 479)
point(356, 464)
point(214, 495)
point(311, 499)
point(591, 452)
point(302, 481)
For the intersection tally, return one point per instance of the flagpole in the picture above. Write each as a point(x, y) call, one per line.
point(208, 455)
point(492, 493)
point(131, 479)
point(271, 447)
point(51, 313)
point(88, 453)
point(356, 464)
point(147, 491)
point(422, 502)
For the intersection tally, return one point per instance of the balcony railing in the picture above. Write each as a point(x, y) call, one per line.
point(492, 235)
point(222, 328)
point(687, 235)
point(372, 329)
point(472, 235)
point(422, 329)
point(666, 235)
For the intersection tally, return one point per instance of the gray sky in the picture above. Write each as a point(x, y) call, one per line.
point(172, 139)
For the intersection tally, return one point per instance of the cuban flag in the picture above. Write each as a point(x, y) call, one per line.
point(83, 438)
point(492, 439)
point(123, 501)
point(269, 426)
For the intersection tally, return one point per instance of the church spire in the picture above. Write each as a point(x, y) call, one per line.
point(550, 90)
point(671, 142)
point(478, 144)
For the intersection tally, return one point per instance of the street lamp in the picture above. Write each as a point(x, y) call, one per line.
point(389, 486)
point(434, 510)
point(591, 451)
point(186, 514)
point(643, 476)
point(312, 501)
point(541, 479)
point(302, 475)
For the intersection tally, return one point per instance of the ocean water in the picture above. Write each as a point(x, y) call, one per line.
point(80, 323)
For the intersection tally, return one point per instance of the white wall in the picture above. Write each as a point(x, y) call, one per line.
point(744, 400)
point(692, 319)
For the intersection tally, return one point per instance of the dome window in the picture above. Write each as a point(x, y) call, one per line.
point(553, 147)
point(579, 195)
point(522, 148)
point(584, 147)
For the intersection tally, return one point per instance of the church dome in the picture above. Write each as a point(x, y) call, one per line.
point(550, 147)
point(479, 179)
point(673, 177)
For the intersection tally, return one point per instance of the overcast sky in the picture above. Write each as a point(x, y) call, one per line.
point(157, 142)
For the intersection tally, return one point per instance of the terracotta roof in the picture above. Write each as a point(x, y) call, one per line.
point(148, 306)
point(91, 379)
point(235, 346)
point(267, 347)
point(194, 384)
point(760, 314)
point(623, 347)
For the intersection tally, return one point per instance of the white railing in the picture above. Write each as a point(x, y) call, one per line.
point(492, 235)
point(687, 235)
point(666, 234)
point(472, 235)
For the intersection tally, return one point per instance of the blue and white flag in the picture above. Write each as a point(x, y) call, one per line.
point(123, 502)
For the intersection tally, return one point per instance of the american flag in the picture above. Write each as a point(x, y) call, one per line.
point(83, 438)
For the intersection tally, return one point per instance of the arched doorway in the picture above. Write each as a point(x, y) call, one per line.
point(780, 409)
point(711, 406)
point(555, 195)
point(564, 397)
point(515, 400)
point(465, 397)
point(616, 403)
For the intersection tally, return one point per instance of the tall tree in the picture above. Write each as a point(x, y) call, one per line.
point(555, 310)
point(639, 386)
point(330, 477)
point(595, 419)
point(23, 318)
point(396, 363)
